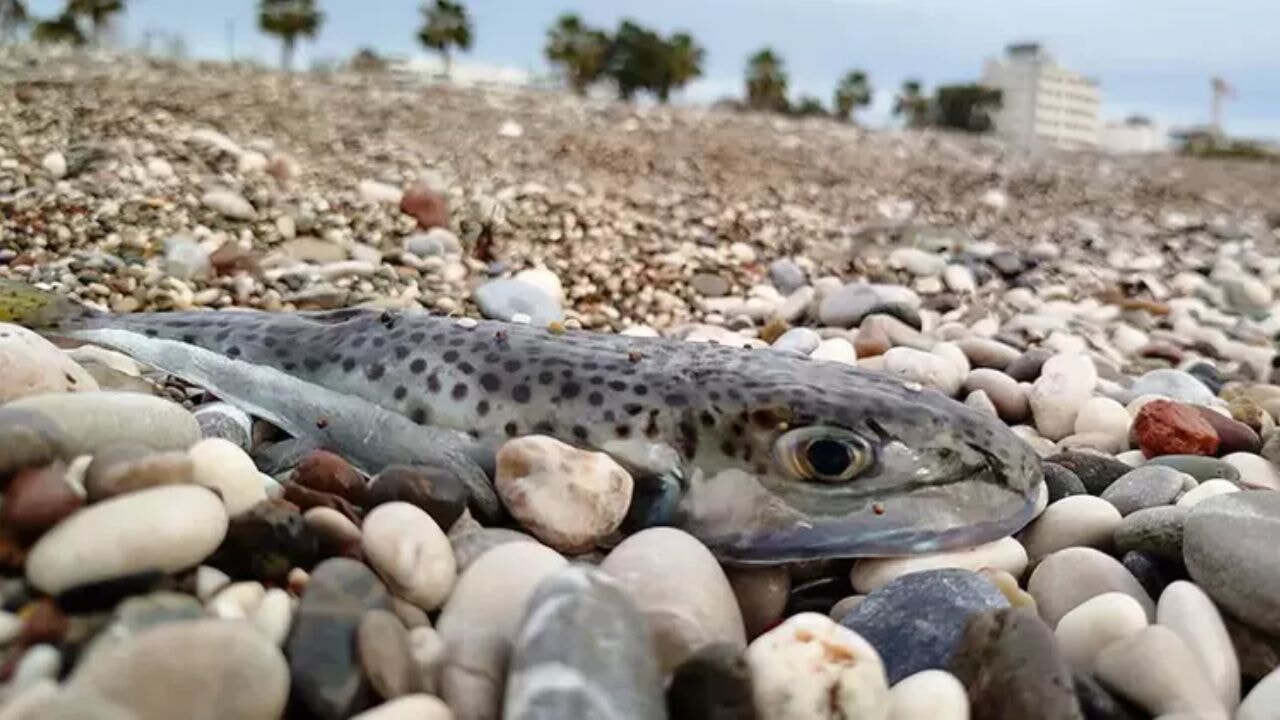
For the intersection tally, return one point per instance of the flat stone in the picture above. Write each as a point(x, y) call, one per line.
point(1096, 623)
point(848, 306)
point(229, 204)
point(1146, 487)
point(916, 621)
point(226, 671)
point(1154, 669)
point(1075, 521)
point(166, 529)
point(1065, 579)
point(786, 275)
point(1187, 611)
point(1228, 546)
point(810, 668)
point(91, 421)
point(1012, 667)
point(383, 645)
point(410, 552)
point(1156, 531)
point(1004, 554)
point(561, 639)
point(31, 365)
point(680, 588)
point(322, 646)
point(712, 684)
point(437, 491)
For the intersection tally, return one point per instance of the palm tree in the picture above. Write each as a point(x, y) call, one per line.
point(445, 26)
point(289, 19)
point(683, 63)
point(59, 29)
point(99, 13)
point(766, 81)
point(581, 51)
point(13, 15)
point(911, 103)
point(853, 92)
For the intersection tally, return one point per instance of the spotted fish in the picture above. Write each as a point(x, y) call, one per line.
point(764, 456)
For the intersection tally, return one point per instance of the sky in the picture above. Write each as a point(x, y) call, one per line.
point(1153, 57)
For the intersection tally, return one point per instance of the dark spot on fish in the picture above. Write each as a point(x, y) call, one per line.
point(688, 437)
point(651, 427)
point(466, 367)
point(596, 380)
point(510, 429)
point(417, 337)
point(590, 365)
point(482, 408)
point(511, 366)
point(567, 373)
point(728, 448)
point(191, 339)
point(545, 377)
point(543, 427)
point(596, 399)
point(581, 433)
point(375, 371)
point(281, 352)
point(490, 382)
point(641, 389)
point(419, 416)
point(220, 337)
point(312, 363)
point(676, 399)
point(633, 408)
point(290, 366)
point(433, 383)
point(151, 332)
point(492, 357)
point(622, 430)
point(707, 418)
point(617, 385)
point(459, 391)
point(379, 342)
point(349, 364)
point(388, 319)
point(400, 392)
point(450, 356)
point(233, 352)
point(334, 357)
point(610, 416)
point(521, 393)
point(418, 366)
point(358, 341)
point(401, 352)
point(458, 342)
point(570, 390)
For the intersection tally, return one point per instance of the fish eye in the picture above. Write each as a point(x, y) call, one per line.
point(824, 455)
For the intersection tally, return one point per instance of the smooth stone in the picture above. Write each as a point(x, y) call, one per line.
point(1152, 573)
point(1145, 487)
point(1061, 482)
point(1262, 700)
point(480, 621)
point(786, 275)
point(916, 621)
point(503, 298)
point(31, 365)
point(273, 617)
point(1068, 577)
point(229, 203)
point(810, 668)
point(1096, 472)
point(222, 466)
point(929, 695)
point(1154, 669)
point(1206, 490)
point(979, 401)
point(1256, 473)
point(1257, 652)
point(91, 421)
point(410, 552)
point(166, 529)
point(27, 439)
point(39, 662)
point(226, 670)
point(470, 546)
point(327, 472)
point(1104, 416)
point(924, 368)
point(235, 601)
point(1065, 384)
point(1010, 663)
point(560, 668)
point(185, 259)
point(1173, 384)
point(437, 491)
point(429, 653)
point(1187, 611)
point(383, 646)
point(265, 542)
point(122, 469)
point(322, 647)
point(37, 499)
point(712, 684)
point(409, 707)
point(847, 306)
point(762, 594)
point(1228, 545)
point(1075, 521)
point(1029, 364)
point(1199, 467)
point(1004, 554)
point(1098, 703)
point(1157, 531)
point(988, 353)
point(1163, 427)
point(709, 284)
point(1096, 623)
point(436, 242)
point(797, 340)
point(570, 499)
point(1233, 435)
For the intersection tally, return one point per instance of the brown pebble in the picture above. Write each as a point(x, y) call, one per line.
point(326, 472)
point(774, 330)
point(425, 205)
point(126, 468)
point(37, 499)
point(1162, 351)
point(42, 622)
point(383, 645)
point(306, 498)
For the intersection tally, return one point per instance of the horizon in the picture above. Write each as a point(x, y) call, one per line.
point(1166, 77)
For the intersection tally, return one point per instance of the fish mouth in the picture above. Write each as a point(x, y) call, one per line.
point(973, 508)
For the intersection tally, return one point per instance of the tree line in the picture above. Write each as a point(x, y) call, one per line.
point(633, 59)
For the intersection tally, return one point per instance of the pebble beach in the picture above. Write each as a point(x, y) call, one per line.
point(165, 554)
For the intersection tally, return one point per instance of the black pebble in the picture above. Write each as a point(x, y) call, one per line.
point(1061, 482)
point(713, 684)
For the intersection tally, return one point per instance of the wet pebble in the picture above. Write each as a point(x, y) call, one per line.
point(1256, 473)
point(1186, 610)
point(1095, 472)
point(31, 365)
point(37, 499)
point(1206, 490)
point(1173, 384)
point(1061, 482)
point(410, 552)
point(120, 469)
point(222, 466)
point(1233, 435)
point(326, 472)
point(1198, 467)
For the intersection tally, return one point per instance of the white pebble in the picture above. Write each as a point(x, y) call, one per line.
point(1206, 490)
point(1004, 554)
point(1065, 384)
point(1107, 417)
point(410, 553)
point(221, 465)
point(1076, 520)
point(924, 368)
point(1096, 623)
point(1185, 609)
point(1256, 472)
point(408, 707)
point(1262, 700)
point(929, 695)
point(1154, 669)
point(273, 616)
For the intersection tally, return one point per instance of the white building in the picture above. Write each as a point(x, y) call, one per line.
point(1134, 135)
point(1043, 102)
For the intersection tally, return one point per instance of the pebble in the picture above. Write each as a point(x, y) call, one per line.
point(1064, 386)
point(31, 365)
point(810, 668)
point(1004, 554)
point(480, 621)
point(916, 621)
point(1206, 490)
point(712, 684)
point(1262, 700)
point(322, 648)
point(222, 466)
point(1156, 531)
point(1061, 482)
point(959, 279)
point(680, 588)
point(410, 552)
point(27, 439)
point(383, 646)
point(924, 368)
point(408, 707)
point(1145, 487)
point(1096, 623)
point(1198, 467)
point(470, 545)
point(1173, 384)
point(1075, 521)
point(786, 275)
point(1228, 546)
point(835, 350)
point(559, 667)
point(1154, 669)
point(91, 421)
point(1070, 576)
point(221, 420)
point(568, 498)
point(503, 298)
point(273, 617)
point(376, 192)
point(425, 205)
point(37, 499)
point(54, 163)
point(436, 242)
point(229, 204)
point(186, 259)
point(121, 469)
point(1104, 416)
point(165, 528)
point(226, 671)
point(1256, 473)
point(929, 695)
point(1095, 472)
point(265, 542)
point(1233, 435)
point(1027, 367)
point(1187, 611)
point(798, 340)
point(326, 472)
point(332, 529)
point(1011, 664)
point(1162, 427)
point(847, 306)
point(762, 594)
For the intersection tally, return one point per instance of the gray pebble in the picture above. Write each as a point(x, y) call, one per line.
point(505, 298)
point(1145, 487)
point(1199, 467)
point(1061, 482)
point(1229, 546)
point(1156, 530)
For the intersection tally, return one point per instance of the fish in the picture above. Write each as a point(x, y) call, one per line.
point(765, 456)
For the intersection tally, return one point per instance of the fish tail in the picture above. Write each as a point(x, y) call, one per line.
point(32, 307)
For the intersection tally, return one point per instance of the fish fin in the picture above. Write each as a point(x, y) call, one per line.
point(32, 307)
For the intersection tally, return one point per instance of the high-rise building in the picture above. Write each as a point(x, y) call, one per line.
point(1042, 102)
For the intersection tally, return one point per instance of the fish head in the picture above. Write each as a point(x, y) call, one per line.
point(822, 460)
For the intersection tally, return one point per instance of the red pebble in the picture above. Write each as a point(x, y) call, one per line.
point(1163, 427)
point(425, 205)
point(322, 470)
